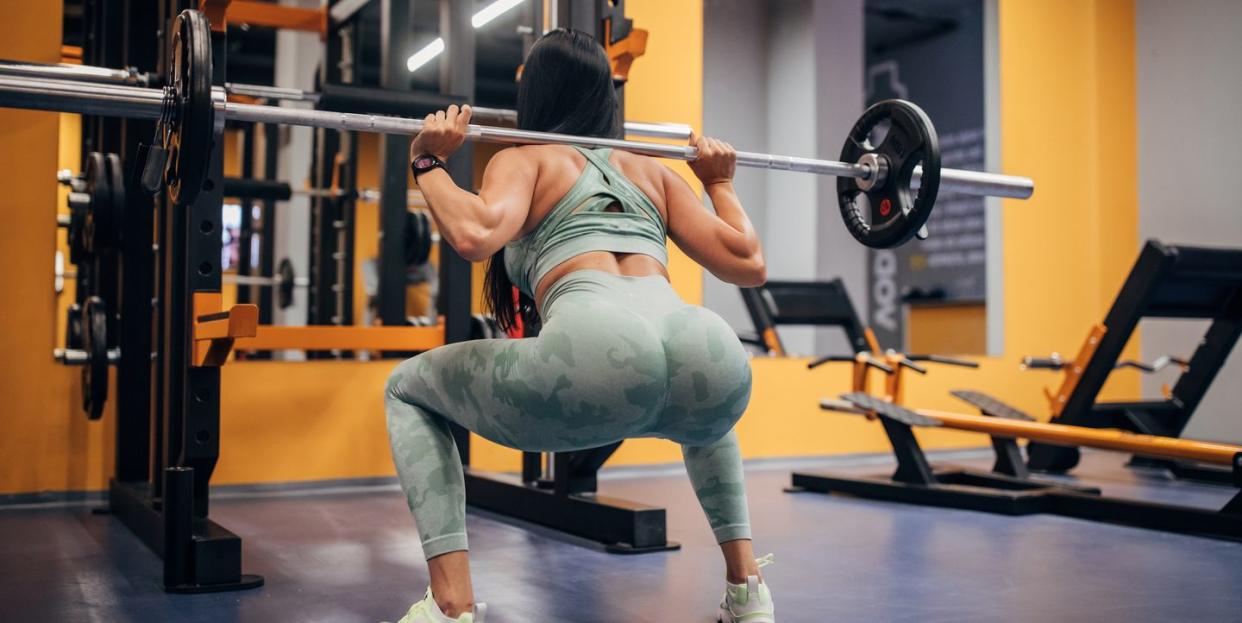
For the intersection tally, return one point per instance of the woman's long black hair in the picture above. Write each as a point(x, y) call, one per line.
point(566, 87)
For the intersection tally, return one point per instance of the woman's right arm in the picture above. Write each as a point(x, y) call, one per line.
point(724, 243)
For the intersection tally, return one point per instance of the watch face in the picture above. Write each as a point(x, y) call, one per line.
point(423, 162)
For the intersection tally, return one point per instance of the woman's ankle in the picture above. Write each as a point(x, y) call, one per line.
point(453, 608)
point(740, 577)
point(450, 583)
point(453, 600)
point(740, 561)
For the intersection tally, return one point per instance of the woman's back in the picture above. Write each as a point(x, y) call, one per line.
point(560, 167)
point(564, 232)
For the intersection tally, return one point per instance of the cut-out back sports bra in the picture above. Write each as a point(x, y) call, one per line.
point(581, 223)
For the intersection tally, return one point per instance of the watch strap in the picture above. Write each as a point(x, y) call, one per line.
point(423, 163)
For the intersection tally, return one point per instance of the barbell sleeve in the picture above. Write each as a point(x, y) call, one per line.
point(86, 73)
point(79, 357)
point(260, 280)
point(145, 103)
point(76, 96)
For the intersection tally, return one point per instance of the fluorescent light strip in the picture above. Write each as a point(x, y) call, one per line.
point(479, 20)
point(492, 11)
point(424, 56)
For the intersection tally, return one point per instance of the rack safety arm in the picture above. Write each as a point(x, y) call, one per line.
point(215, 329)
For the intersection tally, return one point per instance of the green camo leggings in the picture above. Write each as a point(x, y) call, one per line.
point(617, 357)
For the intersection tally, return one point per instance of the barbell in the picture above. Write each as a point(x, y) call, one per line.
point(133, 77)
point(886, 188)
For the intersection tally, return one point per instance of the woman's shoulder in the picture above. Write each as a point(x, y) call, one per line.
point(638, 165)
point(540, 155)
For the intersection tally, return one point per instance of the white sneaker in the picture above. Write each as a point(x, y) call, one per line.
point(750, 602)
point(428, 611)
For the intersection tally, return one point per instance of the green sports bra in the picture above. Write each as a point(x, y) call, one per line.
point(579, 223)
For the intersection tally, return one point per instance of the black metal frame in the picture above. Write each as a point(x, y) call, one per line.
point(168, 411)
point(1166, 281)
point(802, 303)
point(1009, 490)
point(331, 243)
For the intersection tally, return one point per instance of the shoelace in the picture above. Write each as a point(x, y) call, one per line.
point(764, 561)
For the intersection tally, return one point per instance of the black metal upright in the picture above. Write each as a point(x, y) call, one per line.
point(267, 241)
point(105, 43)
point(457, 73)
point(246, 230)
point(331, 246)
point(395, 42)
point(133, 47)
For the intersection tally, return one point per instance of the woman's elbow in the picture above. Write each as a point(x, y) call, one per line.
point(473, 244)
point(754, 273)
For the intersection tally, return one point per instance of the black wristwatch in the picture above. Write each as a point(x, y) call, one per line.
point(424, 163)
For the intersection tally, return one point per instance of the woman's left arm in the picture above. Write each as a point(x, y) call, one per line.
point(476, 225)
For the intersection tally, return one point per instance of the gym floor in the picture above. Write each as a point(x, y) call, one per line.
point(351, 554)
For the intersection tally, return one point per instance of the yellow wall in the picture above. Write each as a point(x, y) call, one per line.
point(1067, 104)
point(957, 329)
point(45, 441)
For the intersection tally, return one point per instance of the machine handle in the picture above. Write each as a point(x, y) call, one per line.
point(948, 361)
point(1157, 365)
point(1043, 363)
point(906, 362)
point(828, 359)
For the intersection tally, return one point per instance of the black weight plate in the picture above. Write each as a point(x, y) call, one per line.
point(78, 253)
point(97, 212)
point(284, 289)
point(95, 371)
point(424, 238)
point(116, 175)
point(190, 142)
point(73, 326)
point(896, 212)
point(84, 282)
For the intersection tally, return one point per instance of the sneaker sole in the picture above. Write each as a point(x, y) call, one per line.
point(723, 616)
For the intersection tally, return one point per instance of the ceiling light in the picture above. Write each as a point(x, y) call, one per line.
point(479, 20)
point(424, 56)
point(492, 11)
